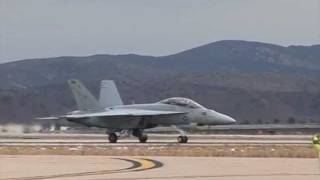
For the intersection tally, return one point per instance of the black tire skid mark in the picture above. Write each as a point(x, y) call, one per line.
point(135, 165)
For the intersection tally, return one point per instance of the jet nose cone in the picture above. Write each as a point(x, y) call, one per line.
point(228, 120)
point(231, 120)
point(221, 119)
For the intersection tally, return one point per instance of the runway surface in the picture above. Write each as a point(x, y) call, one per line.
point(158, 145)
point(175, 168)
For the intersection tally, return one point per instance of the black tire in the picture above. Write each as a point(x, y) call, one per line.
point(137, 133)
point(143, 138)
point(185, 139)
point(113, 138)
point(182, 139)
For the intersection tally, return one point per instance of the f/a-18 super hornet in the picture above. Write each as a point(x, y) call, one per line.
point(110, 113)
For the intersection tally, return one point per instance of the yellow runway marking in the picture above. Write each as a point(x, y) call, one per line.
point(137, 165)
point(146, 164)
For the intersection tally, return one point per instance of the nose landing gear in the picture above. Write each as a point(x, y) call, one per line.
point(183, 138)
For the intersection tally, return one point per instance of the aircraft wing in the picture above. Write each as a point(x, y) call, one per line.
point(123, 112)
point(47, 118)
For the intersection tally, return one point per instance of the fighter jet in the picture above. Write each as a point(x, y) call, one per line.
point(110, 113)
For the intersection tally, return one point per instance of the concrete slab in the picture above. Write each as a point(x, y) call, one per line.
point(106, 167)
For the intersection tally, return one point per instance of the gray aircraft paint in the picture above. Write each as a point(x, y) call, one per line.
point(109, 95)
point(110, 113)
point(84, 99)
point(136, 116)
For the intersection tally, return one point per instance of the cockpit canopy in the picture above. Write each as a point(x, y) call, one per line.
point(184, 102)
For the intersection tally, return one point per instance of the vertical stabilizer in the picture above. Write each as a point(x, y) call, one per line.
point(109, 95)
point(85, 100)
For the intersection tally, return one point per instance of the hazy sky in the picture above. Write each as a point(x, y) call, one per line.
point(48, 28)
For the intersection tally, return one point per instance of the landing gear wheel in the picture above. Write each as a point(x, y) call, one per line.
point(182, 139)
point(143, 138)
point(113, 138)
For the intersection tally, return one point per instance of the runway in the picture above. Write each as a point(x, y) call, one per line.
point(63, 142)
point(91, 157)
point(173, 168)
point(158, 145)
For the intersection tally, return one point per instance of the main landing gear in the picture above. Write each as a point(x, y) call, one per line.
point(140, 135)
point(113, 138)
point(183, 138)
point(143, 137)
point(115, 135)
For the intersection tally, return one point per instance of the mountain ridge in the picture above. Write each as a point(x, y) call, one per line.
point(249, 80)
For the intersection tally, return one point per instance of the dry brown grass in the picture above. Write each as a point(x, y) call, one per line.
point(297, 151)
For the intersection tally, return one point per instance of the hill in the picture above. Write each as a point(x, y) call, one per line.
point(251, 81)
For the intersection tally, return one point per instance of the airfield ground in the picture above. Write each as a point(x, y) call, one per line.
point(220, 157)
point(126, 149)
point(159, 145)
point(173, 168)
